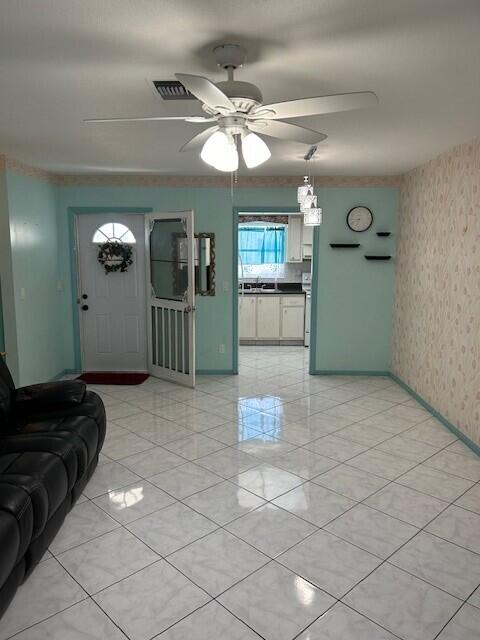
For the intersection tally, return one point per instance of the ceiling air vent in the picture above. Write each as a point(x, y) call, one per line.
point(172, 90)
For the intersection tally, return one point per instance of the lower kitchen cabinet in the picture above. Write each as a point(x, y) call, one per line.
point(272, 317)
point(268, 317)
point(293, 322)
point(247, 317)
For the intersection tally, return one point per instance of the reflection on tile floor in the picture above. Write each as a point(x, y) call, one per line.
point(272, 504)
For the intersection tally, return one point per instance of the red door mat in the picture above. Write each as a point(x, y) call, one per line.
point(104, 377)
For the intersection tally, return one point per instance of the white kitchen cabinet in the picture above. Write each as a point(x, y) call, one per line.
point(294, 238)
point(307, 242)
point(292, 317)
point(271, 317)
point(293, 323)
point(268, 317)
point(247, 316)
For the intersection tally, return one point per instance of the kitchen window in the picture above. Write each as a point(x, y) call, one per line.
point(261, 250)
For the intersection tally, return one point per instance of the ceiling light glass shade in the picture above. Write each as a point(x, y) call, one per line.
point(304, 191)
point(308, 201)
point(219, 151)
point(254, 150)
point(312, 217)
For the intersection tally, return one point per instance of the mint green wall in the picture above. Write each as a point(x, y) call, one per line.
point(354, 297)
point(34, 263)
point(213, 213)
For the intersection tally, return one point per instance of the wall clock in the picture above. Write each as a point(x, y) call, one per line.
point(359, 219)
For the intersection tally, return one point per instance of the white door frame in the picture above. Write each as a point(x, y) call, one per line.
point(170, 314)
point(107, 217)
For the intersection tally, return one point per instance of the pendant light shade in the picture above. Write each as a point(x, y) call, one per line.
point(308, 202)
point(304, 191)
point(312, 216)
point(219, 151)
point(254, 150)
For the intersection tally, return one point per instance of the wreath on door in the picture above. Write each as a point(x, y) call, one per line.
point(115, 256)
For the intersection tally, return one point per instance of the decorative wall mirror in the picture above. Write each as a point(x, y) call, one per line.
point(204, 263)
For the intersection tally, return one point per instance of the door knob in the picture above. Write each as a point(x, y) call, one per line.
point(84, 307)
point(84, 296)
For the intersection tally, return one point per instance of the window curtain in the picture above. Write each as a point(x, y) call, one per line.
point(261, 245)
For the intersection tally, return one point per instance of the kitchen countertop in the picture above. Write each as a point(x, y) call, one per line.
point(270, 292)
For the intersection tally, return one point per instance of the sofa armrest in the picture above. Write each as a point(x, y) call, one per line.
point(48, 396)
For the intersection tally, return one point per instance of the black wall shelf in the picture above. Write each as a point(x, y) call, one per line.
point(383, 234)
point(344, 245)
point(378, 257)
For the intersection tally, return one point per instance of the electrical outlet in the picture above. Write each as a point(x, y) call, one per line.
point(221, 348)
point(226, 286)
point(23, 293)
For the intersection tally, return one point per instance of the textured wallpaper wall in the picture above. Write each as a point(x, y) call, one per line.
point(436, 332)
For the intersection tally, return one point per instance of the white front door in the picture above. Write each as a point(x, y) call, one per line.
point(111, 305)
point(171, 296)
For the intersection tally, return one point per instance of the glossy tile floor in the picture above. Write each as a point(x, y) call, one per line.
point(270, 505)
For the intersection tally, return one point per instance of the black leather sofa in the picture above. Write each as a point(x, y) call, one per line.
point(50, 438)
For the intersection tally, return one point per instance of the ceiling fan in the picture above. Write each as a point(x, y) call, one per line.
point(236, 109)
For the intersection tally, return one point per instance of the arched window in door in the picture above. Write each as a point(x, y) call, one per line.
point(113, 232)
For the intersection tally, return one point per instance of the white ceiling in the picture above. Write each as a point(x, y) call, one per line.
point(65, 60)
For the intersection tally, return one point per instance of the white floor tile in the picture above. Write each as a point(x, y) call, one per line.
point(403, 604)
point(268, 481)
point(133, 501)
point(342, 623)
point(459, 526)
point(217, 561)
point(329, 562)
point(150, 601)
point(82, 621)
point(47, 591)
point(350, 482)
point(406, 504)
point(224, 502)
point(211, 622)
point(465, 625)
point(372, 530)
point(434, 482)
point(101, 562)
point(84, 522)
point(171, 528)
point(314, 503)
point(270, 529)
point(275, 602)
point(185, 480)
point(441, 563)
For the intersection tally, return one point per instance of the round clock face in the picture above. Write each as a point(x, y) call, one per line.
point(359, 218)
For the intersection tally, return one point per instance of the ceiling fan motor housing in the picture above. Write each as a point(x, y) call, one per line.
point(244, 95)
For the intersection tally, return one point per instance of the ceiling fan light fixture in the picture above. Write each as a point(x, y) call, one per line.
point(220, 152)
point(255, 151)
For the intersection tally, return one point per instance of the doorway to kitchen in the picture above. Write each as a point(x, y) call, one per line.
point(273, 302)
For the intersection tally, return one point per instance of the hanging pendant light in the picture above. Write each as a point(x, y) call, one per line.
point(312, 216)
point(304, 190)
point(308, 201)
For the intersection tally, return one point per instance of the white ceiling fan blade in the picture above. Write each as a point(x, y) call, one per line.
point(286, 131)
point(195, 143)
point(199, 119)
point(206, 92)
point(317, 106)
